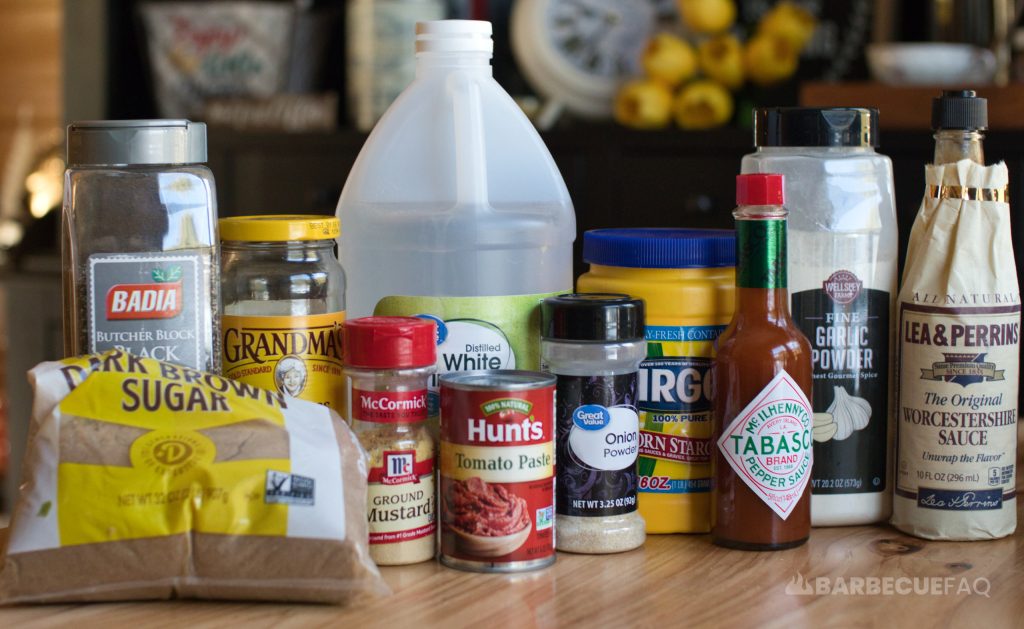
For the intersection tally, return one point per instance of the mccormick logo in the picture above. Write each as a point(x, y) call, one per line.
point(842, 286)
point(399, 467)
point(160, 299)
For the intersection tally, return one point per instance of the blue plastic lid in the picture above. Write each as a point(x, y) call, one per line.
point(660, 248)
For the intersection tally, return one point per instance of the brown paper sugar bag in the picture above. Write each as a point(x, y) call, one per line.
point(145, 480)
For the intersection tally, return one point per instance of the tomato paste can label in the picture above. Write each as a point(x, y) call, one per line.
point(497, 499)
point(769, 444)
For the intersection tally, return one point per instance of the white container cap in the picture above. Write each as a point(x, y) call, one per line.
point(454, 36)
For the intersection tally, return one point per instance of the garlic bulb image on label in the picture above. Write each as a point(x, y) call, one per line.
point(824, 427)
point(849, 413)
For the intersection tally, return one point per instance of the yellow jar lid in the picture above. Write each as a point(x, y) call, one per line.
point(279, 227)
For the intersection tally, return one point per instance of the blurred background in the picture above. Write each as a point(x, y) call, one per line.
point(645, 105)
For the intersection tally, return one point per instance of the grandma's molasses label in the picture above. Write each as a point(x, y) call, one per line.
point(300, 356)
point(148, 305)
point(769, 447)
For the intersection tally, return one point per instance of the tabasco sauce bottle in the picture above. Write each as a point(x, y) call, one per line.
point(761, 498)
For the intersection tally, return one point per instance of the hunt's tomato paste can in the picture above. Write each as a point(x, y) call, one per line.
point(497, 499)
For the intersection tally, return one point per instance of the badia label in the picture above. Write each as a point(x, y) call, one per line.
point(768, 445)
point(848, 327)
point(147, 304)
point(300, 356)
point(597, 445)
point(957, 413)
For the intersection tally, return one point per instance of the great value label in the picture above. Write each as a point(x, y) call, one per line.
point(598, 436)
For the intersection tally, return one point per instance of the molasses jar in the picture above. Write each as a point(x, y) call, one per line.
point(284, 303)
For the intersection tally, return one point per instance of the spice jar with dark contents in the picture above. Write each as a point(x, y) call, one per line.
point(762, 417)
point(139, 242)
point(497, 470)
point(387, 363)
point(594, 343)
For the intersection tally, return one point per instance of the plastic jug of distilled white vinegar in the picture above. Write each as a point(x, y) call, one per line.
point(455, 210)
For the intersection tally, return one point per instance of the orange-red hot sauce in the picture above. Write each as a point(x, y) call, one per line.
point(761, 497)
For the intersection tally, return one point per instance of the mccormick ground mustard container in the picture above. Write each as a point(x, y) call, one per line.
point(687, 278)
point(284, 303)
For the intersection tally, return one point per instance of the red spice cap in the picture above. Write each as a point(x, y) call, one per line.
point(759, 189)
point(390, 342)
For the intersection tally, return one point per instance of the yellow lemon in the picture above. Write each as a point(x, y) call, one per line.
point(643, 104)
point(789, 22)
point(721, 59)
point(769, 59)
point(669, 59)
point(703, 105)
point(707, 16)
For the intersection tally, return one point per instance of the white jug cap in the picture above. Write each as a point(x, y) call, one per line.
point(454, 36)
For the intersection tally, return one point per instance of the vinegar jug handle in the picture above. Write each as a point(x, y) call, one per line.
point(470, 156)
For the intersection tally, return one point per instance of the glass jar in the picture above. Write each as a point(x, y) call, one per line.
point(594, 344)
point(284, 303)
point(387, 363)
point(687, 279)
point(139, 242)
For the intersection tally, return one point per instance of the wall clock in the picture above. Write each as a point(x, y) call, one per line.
point(575, 53)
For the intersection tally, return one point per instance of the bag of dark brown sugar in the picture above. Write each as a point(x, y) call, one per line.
point(147, 480)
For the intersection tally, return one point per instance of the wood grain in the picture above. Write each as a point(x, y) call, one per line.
point(911, 107)
point(674, 580)
point(30, 66)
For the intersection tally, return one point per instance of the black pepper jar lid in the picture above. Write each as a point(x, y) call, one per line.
point(609, 317)
point(959, 109)
point(816, 126)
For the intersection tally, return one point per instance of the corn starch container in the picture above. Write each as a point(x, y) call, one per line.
point(687, 278)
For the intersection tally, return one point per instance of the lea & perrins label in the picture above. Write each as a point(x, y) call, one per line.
point(497, 470)
point(300, 356)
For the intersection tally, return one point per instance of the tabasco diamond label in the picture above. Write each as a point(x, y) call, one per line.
point(769, 445)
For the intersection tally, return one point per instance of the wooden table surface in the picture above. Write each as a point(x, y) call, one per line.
point(674, 580)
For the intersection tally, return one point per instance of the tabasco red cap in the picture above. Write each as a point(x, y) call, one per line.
point(759, 189)
point(390, 342)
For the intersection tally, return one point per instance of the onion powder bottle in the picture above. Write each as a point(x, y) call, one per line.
point(594, 344)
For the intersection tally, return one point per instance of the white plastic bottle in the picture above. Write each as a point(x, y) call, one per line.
point(455, 209)
point(842, 280)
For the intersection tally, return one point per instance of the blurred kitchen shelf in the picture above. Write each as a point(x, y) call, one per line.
point(910, 107)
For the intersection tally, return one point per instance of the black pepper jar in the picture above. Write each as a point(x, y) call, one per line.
point(139, 242)
point(594, 344)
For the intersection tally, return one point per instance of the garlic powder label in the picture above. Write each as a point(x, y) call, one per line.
point(769, 444)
